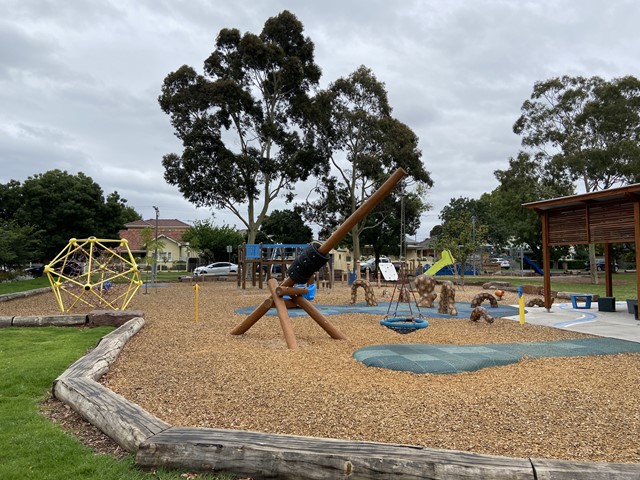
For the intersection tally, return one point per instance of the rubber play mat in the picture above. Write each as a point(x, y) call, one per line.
point(443, 359)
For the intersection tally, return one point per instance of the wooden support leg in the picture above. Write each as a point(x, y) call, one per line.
point(283, 315)
point(251, 320)
point(320, 319)
point(335, 238)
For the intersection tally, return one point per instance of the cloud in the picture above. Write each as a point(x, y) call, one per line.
point(79, 81)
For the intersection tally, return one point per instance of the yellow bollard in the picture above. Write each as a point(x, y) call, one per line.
point(196, 287)
point(521, 305)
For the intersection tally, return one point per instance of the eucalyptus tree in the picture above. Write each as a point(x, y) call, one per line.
point(364, 143)
point(242, 123)
point(586, 127)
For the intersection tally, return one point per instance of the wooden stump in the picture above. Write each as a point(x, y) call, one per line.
point(447, 303)
point(369, 295)
point(425, 285)
point(480, 313)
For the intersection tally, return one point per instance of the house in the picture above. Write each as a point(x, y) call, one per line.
point(174, 254)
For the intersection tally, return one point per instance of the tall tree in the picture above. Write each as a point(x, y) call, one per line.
point(365, 144)
point(589, 128)
point(242, 124)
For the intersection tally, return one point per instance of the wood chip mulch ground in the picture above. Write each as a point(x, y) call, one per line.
point(196, 374)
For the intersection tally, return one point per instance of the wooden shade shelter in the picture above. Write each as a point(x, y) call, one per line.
point(607, 216)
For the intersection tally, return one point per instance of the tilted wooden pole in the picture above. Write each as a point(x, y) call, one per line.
point(329, 244)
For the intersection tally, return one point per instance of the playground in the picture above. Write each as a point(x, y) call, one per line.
point(194, 373)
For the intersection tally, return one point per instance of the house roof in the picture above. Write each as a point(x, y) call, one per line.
point(165, 223)
point(171, 229)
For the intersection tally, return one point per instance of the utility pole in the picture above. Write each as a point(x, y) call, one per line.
point(155, 255)
point(402, 230)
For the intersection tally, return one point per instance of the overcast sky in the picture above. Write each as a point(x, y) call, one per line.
point(79, 79)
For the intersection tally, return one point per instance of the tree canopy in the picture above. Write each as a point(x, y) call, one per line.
point(586, 128)
point(461, 232)
point(211, 241)
point(526, 180)
point(62, 206)
point(243, 123)
point(365, 143)
point(285, 226)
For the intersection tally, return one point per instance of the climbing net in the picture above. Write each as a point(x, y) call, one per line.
point(96, 273)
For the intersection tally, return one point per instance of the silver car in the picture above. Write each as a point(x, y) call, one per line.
point(216, 268)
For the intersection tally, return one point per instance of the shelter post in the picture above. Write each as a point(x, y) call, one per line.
point(546, 263)
point(608, 270)
point(636, 222)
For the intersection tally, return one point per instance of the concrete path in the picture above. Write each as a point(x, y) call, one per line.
point(619, 324)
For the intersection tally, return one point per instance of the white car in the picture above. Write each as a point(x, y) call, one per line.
point(216, 268)
point(503, 262)
point(371, 264)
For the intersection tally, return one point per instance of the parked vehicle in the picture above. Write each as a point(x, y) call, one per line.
point(35, 271)
point(600, 265)
point(370, 264)
point(503, 262)
point(216, 268)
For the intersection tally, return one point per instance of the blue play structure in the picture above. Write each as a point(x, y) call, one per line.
point(533, 265)
point(456, 270)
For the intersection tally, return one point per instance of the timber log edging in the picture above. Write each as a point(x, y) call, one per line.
point(265, 455)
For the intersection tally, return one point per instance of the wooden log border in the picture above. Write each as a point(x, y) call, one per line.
point(263, 455)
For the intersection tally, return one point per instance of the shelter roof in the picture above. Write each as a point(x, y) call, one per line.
point(628, 193)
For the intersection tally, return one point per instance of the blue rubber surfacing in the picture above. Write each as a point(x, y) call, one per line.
point(447, 359)
point(464, 310)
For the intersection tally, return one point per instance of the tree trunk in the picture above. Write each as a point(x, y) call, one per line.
point(593, 265)
point(355, 235)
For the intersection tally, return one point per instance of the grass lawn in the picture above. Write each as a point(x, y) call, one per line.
point(23, 285)
point(40, 282)
point(31, 446)
point(624, 284)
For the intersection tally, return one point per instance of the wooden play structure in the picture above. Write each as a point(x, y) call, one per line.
point(258, 262)
point(447, 302)
point(481, 297)
point(304, 267)
point(369, 295)
point(480, 313)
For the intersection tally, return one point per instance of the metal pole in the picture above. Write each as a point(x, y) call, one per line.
point(155, 255)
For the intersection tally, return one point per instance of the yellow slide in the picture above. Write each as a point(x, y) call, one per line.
point(445, 259)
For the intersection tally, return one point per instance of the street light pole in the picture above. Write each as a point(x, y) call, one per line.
point(155, 255)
